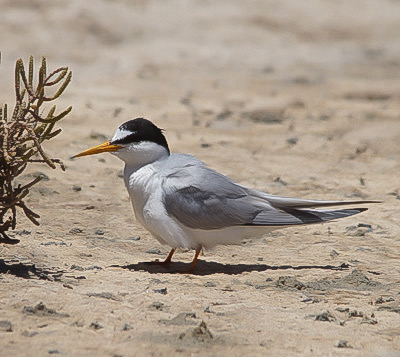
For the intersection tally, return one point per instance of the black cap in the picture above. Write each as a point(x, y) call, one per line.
point(138, 130)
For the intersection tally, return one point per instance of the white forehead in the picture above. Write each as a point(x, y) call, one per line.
point(121, 134)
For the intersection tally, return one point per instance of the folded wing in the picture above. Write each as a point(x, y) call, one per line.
point(201, 198)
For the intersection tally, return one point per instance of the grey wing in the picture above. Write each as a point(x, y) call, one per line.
point(201, 198)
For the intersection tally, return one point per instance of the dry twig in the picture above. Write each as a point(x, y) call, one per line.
point(22, 135)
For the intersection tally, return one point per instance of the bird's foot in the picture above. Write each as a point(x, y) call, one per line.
point(157, 262)
point(164, 263)
point(192, 266)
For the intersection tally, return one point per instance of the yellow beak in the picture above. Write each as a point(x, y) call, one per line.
point(105, 147)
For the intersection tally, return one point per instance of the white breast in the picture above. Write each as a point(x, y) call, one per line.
point(146, 193)
point(137, 184)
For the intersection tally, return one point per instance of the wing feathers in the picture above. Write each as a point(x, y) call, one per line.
point(301, 216)
point(205, 199)
point(297, 203)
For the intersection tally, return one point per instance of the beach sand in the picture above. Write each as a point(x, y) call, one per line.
point(292, 98)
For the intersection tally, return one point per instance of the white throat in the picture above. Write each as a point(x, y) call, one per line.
point(137, 155)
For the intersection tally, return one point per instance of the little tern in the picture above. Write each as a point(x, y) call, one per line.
point(185, 204)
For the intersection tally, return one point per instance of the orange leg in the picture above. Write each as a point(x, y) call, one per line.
point(167, 261)
point(191, 269)
point(171, 253)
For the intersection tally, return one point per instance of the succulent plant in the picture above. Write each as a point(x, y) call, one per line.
point(22, 134)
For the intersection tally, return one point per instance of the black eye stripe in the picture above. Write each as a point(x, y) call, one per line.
point(141, 129)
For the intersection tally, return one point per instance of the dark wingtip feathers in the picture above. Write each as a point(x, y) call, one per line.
point(319, 216)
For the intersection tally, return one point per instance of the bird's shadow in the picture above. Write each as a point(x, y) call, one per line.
point(208, 268)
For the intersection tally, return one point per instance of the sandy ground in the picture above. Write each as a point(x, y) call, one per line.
point(295, 98)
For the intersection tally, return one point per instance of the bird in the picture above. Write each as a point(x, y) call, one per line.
point(184, 203)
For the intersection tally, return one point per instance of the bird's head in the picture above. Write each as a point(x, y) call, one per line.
point(137, 141)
